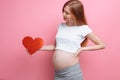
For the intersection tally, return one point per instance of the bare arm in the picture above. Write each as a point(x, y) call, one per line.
point(96, 40)
point(48, 47)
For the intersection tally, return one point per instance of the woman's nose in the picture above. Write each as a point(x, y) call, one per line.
point(64, 14)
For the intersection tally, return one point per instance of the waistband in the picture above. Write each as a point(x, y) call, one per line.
point(69, 69)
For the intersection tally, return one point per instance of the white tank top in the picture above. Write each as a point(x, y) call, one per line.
point(70, 38)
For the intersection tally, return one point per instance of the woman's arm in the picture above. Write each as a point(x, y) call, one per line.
point(96, 40)
point(48, 47)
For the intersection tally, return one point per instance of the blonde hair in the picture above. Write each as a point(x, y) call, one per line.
point(77, 9)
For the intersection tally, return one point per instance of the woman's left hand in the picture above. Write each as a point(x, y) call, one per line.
point(78, 52)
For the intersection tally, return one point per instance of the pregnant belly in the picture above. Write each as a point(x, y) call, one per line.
point(63, 59)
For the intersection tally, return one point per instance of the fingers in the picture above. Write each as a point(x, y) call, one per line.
point(78, 52)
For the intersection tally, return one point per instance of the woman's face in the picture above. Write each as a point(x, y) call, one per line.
point(67, 15)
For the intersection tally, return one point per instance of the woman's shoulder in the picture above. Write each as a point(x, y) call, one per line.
point(85, 27)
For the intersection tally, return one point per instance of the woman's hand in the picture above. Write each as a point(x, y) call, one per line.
point(27, 51)
point(78, 52)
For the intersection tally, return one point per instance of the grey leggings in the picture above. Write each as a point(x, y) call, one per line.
point(71, 73)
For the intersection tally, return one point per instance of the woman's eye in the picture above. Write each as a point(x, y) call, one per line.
point(66, 12)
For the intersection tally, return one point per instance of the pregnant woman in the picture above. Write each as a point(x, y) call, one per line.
point(71, 39)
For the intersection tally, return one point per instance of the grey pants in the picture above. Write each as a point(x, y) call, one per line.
point(71, 73)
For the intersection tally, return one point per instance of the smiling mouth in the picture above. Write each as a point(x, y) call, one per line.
point(64, 18)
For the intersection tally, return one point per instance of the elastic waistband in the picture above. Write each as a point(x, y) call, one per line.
point(70, 68)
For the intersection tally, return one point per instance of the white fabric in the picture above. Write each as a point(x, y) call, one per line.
point(70, 38)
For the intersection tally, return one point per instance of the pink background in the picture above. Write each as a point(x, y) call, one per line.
point(39, 18)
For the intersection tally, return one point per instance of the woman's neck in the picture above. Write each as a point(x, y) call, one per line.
point(70, 24)
point(73, 24)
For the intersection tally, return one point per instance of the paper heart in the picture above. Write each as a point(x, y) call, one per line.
point(32, 45)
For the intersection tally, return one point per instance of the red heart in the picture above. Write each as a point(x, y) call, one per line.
point(32, 45)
